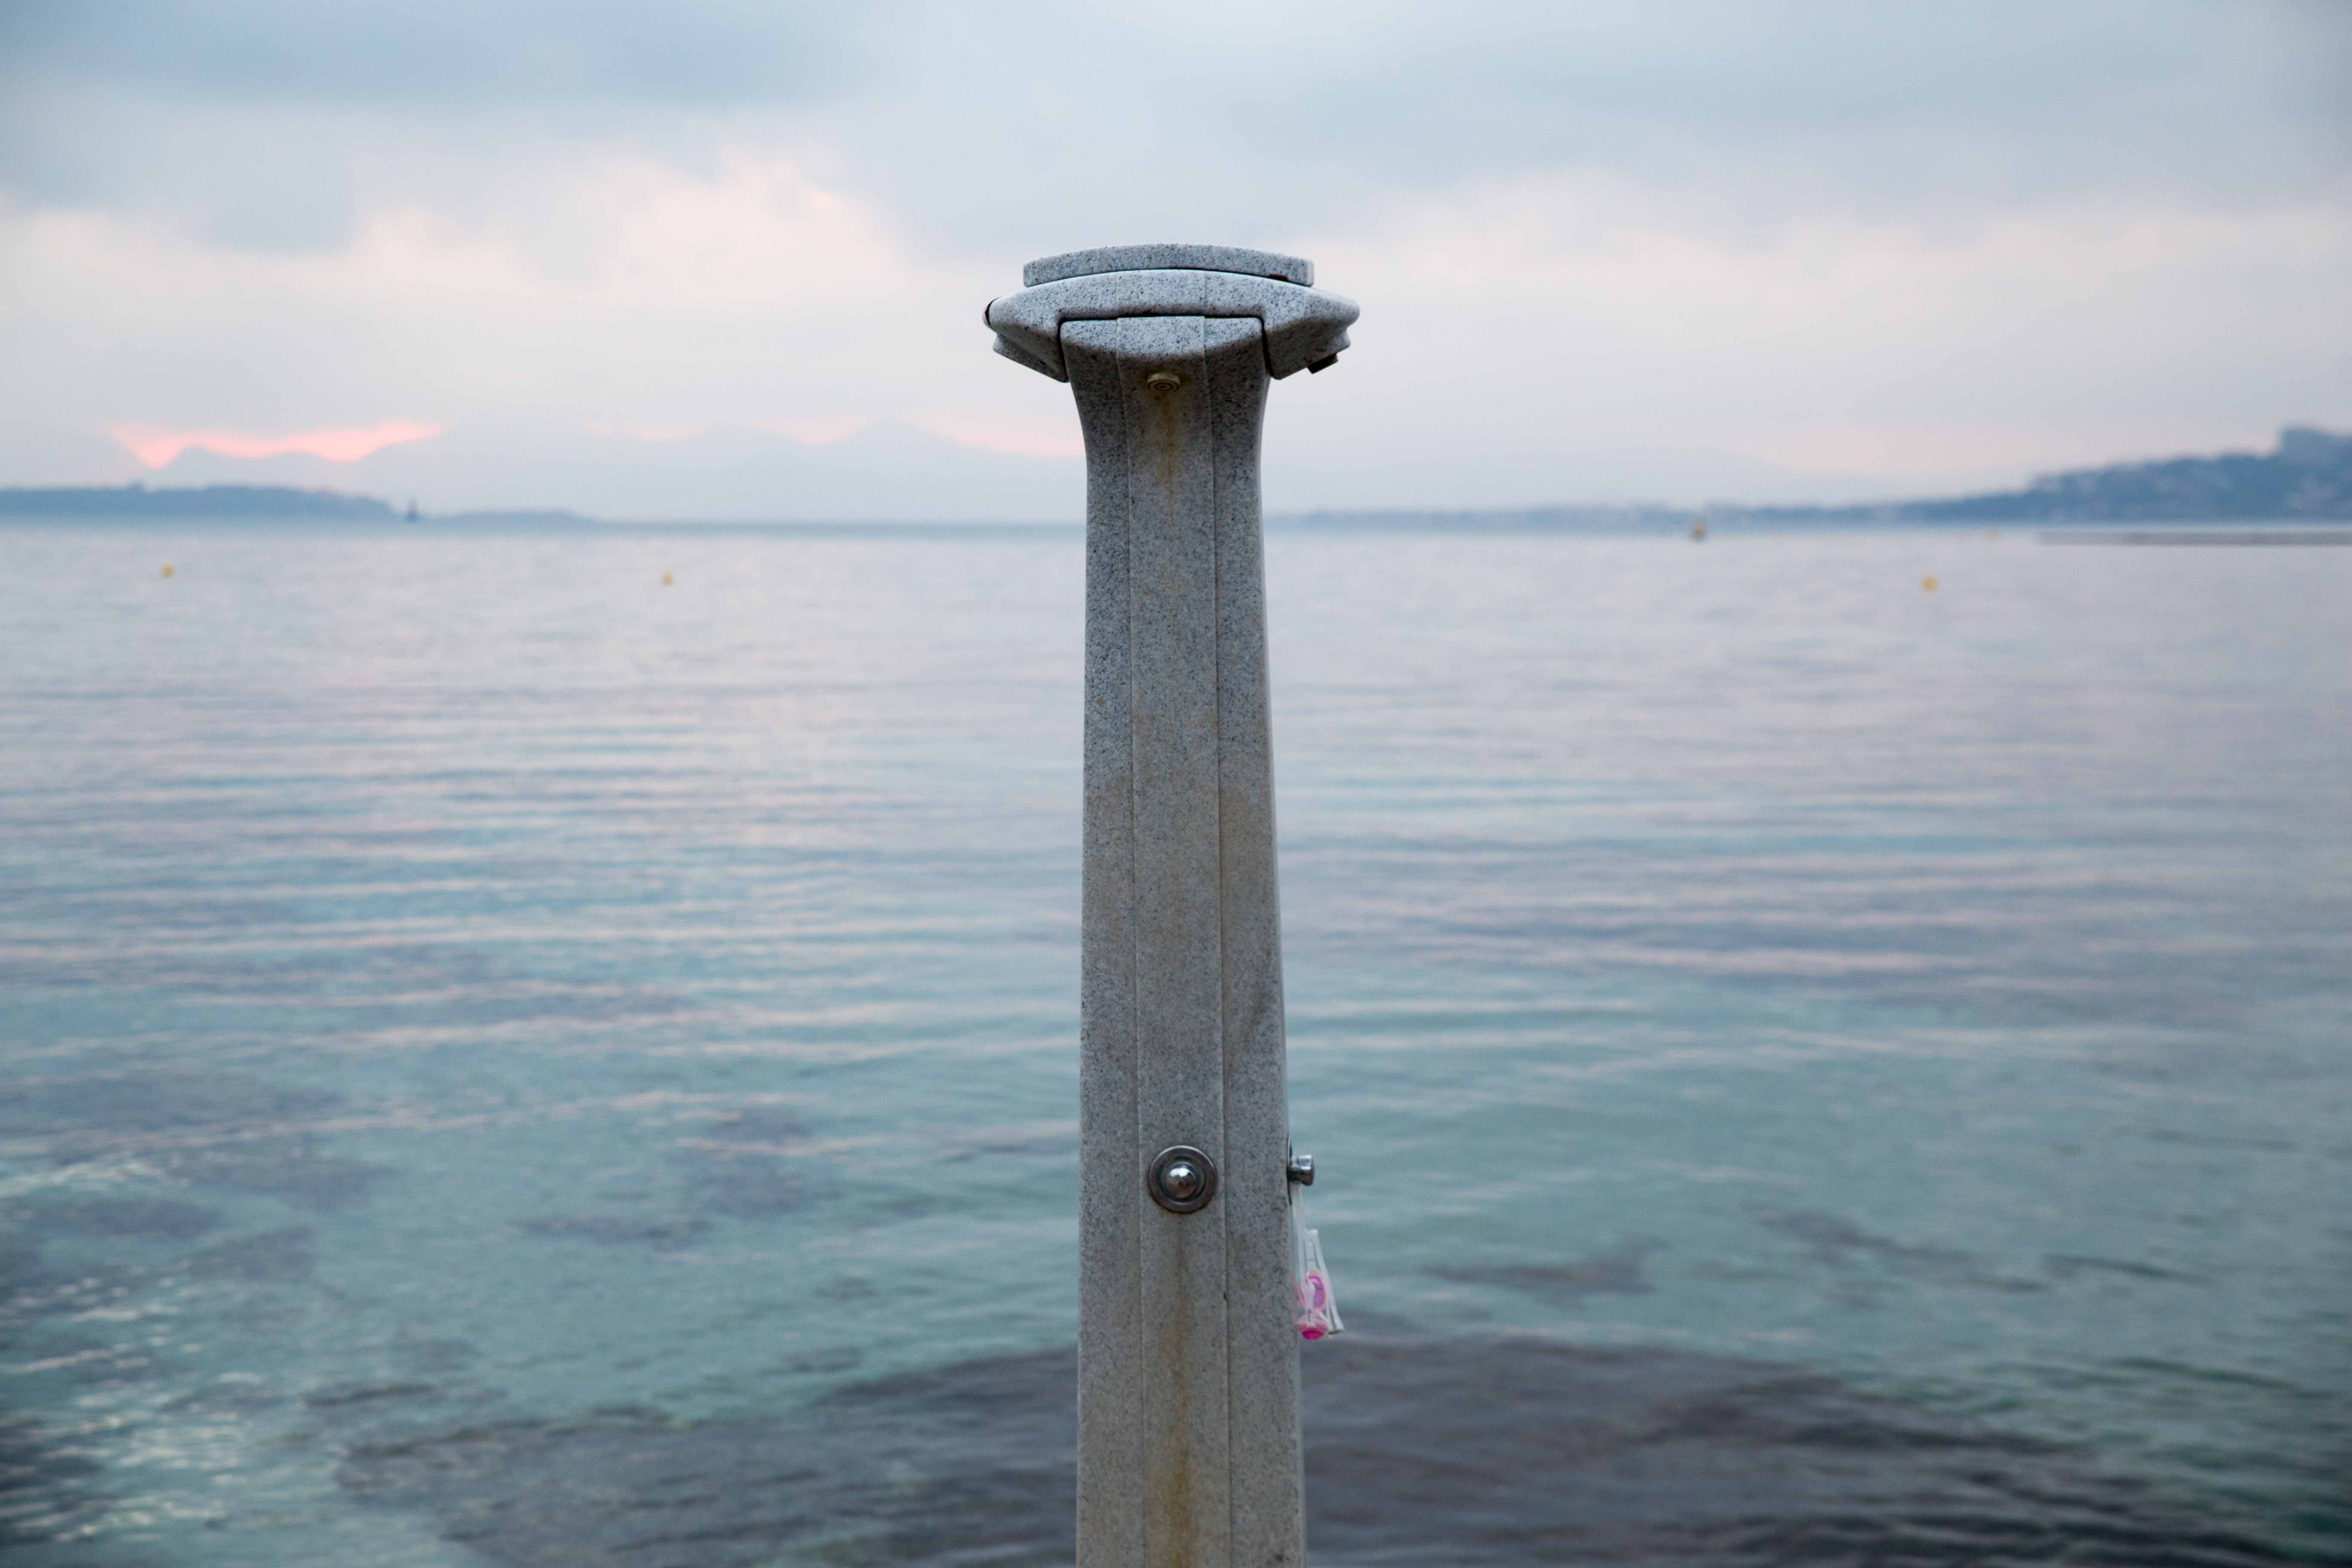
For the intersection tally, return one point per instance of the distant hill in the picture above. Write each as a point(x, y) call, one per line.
point(2307, 477)
point(1598, 518)
point(246, 502)
point(194, 500)
point(887, 472)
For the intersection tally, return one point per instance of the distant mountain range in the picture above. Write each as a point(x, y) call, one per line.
point(2307, 477)
point(885, 472)
point(247, 502)
point(187, 501)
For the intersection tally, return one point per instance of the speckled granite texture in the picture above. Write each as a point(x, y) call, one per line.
point(1157, 257)
point(1188, 1365)
point(1301, 329)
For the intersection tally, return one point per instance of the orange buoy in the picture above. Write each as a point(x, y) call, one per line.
point(1928, 582)
point(167, 569)
point(667, 579)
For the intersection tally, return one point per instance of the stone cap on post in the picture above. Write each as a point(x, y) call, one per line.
point(1303, 327)
point(1168, 258)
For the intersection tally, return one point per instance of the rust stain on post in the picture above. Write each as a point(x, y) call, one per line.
point(1188, 1363)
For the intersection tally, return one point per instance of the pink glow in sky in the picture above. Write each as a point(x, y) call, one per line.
point(153, 446)
point(1053, 437)
point(809, 430)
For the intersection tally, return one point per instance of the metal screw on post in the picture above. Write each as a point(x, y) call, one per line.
point(1188, 1359)
point(1182, 1180)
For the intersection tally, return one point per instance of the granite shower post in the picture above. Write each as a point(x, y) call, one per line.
point(1188, 1359)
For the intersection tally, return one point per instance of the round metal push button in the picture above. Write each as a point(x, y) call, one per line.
point(1182, 1179)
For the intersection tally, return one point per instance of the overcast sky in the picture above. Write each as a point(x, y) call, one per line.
point(723, 258)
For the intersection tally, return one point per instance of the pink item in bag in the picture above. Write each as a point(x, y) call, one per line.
point(1319, 1306)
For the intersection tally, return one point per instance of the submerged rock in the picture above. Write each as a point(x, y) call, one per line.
point(1495, 1451)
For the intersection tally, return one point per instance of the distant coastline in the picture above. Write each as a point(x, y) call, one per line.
point(137, 502)
point(2306, 477)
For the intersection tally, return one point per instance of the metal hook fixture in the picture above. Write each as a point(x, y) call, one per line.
point(1301, 1169)
point(1182, 1179)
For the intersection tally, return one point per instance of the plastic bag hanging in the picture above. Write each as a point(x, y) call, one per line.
point(1318, 1304)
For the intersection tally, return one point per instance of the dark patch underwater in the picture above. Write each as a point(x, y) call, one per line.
point(1492, 1452)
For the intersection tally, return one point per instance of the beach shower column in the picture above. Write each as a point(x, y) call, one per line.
point(1188, 1358)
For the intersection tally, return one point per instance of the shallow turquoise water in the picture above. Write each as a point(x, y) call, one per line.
point(454, 982)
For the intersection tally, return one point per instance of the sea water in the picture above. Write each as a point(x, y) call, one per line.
point(558, 1046)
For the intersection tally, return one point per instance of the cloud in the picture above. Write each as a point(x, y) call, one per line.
point(617, 288)
point(282, 123)
point(155, 447)
point(1605, 249)
point(1556, 336)
point(1053, 435)
point(1847, 106)
point(887, 471)
point(434, 53)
